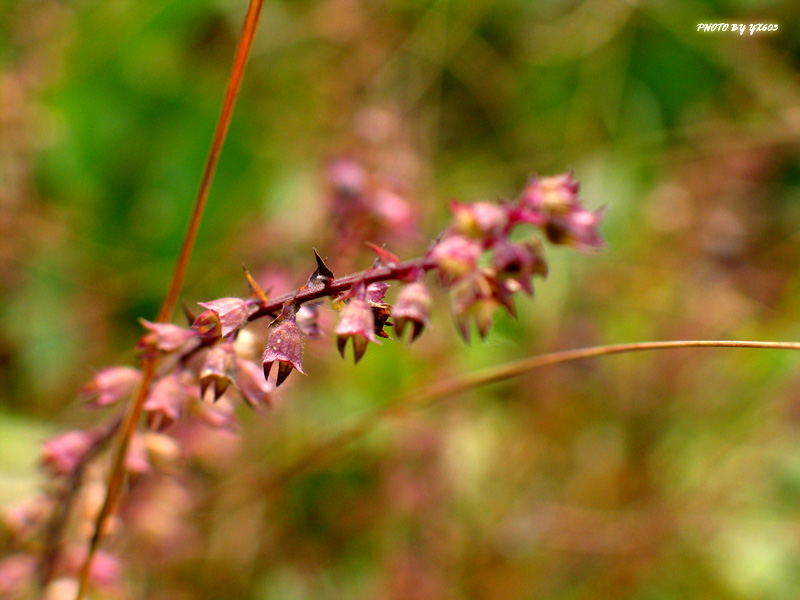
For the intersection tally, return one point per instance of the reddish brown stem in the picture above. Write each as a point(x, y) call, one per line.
point(117, 475)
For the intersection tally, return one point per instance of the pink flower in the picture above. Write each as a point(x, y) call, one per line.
point(164, 337)
point(413, 306)
point(285, 346)
point(111, 385)
point(219, 370)
point(480, 219)
point(168, 399)
point(357, 323)
point(456, 256)
point(253, 387)
point(222, 317)
point(519, 262)
point(62, 454)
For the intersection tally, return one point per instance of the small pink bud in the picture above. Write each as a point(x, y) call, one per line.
point(481, 219)
point(456, 256)
point(357, 323)
point(254, 388)
point(111, 385)
point(218, 371)
point(62, 454)
point(164, 337)
point(285, 346)
point(222, 317)
point(413, 306)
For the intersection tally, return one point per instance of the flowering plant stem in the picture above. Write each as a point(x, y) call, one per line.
point(117, 474)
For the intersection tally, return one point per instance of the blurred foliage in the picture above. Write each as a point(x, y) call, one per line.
point(654, 476)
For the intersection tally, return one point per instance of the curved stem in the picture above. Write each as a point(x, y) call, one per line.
point(447, 387)
point(117, 475)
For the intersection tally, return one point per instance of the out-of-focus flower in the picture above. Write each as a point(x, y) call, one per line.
point(307, 320)
point(222, 317)
point(111, 385)
point(553, 204)
point(16, 574)
point(218, 371)
point(577, 229)
point(413, 306)
point(456, 256)
point(256, 390)
point(168, 399)
point(163, 337)
point(519, 262)
point(357, 323)
point(62, 454)
point(347, 176)
point(480, 219)
point(474, 299)
point(285, 346)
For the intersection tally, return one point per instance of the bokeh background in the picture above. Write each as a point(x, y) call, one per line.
point(652, 476)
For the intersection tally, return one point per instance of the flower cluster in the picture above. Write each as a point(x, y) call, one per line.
point(487, 254)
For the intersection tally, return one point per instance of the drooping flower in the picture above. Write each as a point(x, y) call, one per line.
point(111, 385)
point(357, 323)
point(577, 229)
point(475, 299)
point(222, 317)
point(218, 371)
point(256, 390)
point(168, 399)
point(285, 346)
point(413, 306)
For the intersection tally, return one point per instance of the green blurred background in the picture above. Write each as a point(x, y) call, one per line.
point(653, 476)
